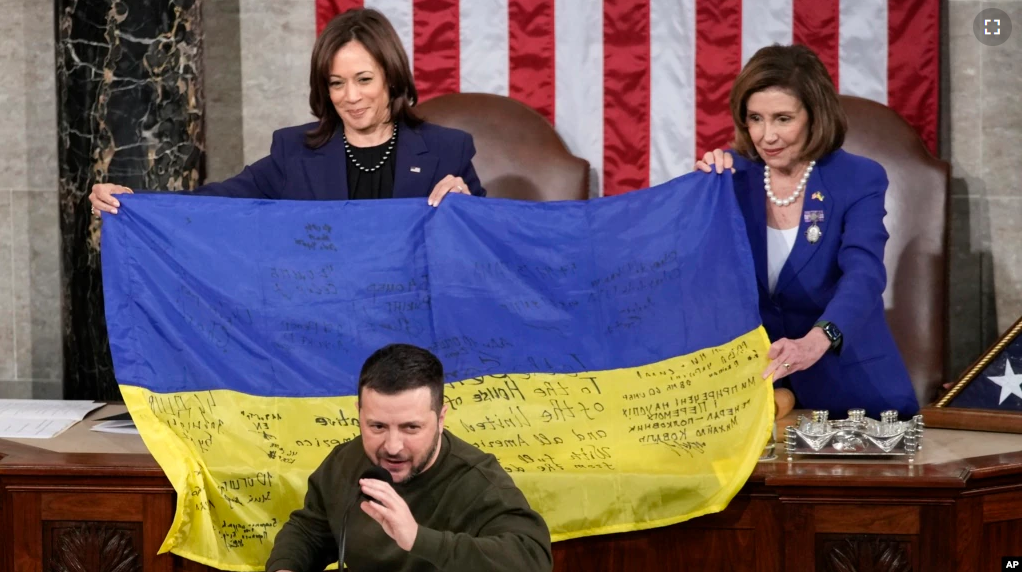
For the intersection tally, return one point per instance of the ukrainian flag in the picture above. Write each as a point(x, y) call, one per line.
point(608, 352)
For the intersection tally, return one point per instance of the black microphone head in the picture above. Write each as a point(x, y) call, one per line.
point(379, 473)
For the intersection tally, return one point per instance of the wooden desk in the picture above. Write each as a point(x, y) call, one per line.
point(99, 500)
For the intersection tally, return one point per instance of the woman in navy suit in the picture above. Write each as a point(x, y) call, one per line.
point(368, 142)
point(814, 215)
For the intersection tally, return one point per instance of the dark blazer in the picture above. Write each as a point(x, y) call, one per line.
point(425, 154)
point(840, 279)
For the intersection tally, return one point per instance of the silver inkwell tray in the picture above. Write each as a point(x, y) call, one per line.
point(856, 436)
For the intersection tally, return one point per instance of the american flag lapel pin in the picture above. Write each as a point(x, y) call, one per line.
point(416, 169)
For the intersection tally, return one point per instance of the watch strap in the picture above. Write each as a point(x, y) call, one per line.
point(832, 332)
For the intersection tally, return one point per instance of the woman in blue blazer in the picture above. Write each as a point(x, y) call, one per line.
point(814, 215)
point(368, 142)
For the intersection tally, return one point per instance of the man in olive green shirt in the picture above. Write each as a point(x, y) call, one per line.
point(452, 506)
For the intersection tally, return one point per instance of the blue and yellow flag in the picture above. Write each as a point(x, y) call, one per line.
point(608, 352)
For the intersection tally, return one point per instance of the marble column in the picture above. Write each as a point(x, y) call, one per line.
point(130, 111)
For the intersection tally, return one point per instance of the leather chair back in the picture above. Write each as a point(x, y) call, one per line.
point(519, 155)
point(916, 256)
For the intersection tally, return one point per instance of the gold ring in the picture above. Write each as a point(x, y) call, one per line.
point(787, 365)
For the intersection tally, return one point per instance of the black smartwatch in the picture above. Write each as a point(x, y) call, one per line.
point(832, 332)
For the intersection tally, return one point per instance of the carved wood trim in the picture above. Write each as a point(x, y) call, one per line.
point(92, 547)
point(864, 553)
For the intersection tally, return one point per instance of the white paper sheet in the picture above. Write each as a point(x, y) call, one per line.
point(40, 418)
point(33, 428)
point(116, 427)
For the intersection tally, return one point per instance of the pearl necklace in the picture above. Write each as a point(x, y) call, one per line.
point(386, 155)
point(798, 189)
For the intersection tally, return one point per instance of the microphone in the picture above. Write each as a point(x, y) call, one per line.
point(374, 472)
point(380, 474)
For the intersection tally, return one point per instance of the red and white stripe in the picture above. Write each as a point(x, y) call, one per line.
point(639, 87)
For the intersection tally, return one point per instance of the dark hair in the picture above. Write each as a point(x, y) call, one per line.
point(402, 367)
point(796, 69)
point(371, 29)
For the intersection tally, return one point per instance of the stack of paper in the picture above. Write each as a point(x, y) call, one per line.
point(40, 418)
point(122, 423)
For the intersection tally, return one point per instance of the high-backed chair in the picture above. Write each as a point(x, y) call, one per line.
point(518, 153)
point(916, 255)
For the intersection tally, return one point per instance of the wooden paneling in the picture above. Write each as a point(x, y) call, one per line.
point(867, 519)
point(790, 517)
point(937, 534)
point(1002, 538)
point(1002, 506)
point(799, 537)
point(670, 549)
point(27, 533)
point(112, 507)
point(158, 514)
point(968, 534)
point(767, 514)
point(182, 565)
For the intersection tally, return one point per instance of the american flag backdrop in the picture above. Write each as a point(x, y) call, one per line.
point(638, 87)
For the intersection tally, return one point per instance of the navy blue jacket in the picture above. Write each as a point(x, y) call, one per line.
point(424, 155)
point(840, 279)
